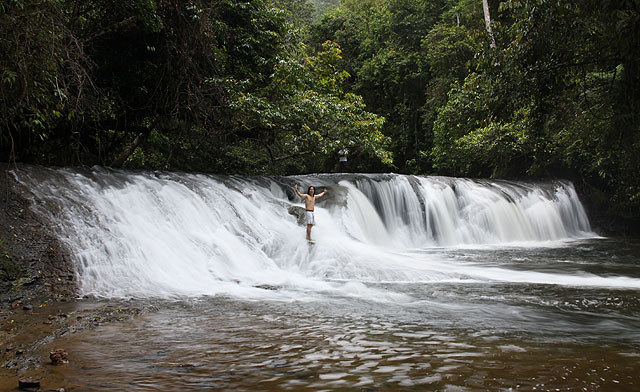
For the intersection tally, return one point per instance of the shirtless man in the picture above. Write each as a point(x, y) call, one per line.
point(309, 203)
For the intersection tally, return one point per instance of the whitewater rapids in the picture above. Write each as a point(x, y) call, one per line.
point(167, 235)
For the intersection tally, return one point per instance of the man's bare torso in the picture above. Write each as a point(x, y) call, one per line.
point(309, 202)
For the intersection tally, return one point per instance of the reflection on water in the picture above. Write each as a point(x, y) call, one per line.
point(473, 336)
point(229, 345)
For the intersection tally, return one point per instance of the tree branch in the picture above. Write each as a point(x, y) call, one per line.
point(275, 159)
point(142, 136)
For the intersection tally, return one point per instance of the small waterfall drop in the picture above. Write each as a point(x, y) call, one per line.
point(439, 211)
point(154, 234)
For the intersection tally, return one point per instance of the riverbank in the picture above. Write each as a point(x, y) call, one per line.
point(33, 263)
point(607, 218)
point(38, 294)
point(29, 332)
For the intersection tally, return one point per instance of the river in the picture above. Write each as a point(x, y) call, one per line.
point(413, 283)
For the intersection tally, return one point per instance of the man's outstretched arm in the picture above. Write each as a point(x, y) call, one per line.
point(297, 191)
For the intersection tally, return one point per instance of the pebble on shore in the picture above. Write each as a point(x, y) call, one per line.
point(59, 357)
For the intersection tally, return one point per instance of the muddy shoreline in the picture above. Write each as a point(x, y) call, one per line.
point(29, 334)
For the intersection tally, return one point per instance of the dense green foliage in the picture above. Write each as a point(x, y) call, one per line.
point(558, 95)
point(279, 86)
point(382, 44)
point(222, 86)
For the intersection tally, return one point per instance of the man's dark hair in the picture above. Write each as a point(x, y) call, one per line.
point(309, 189)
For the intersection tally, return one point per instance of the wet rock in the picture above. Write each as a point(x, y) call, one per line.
point(59, 357)
point(299, 213)
point(27, 307)
point(27, 384)
point(266, 287)
point(34, 262)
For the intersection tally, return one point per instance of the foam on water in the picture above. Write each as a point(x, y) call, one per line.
point(145, 234)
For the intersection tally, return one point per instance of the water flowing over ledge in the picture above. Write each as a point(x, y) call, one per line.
point(156, 234)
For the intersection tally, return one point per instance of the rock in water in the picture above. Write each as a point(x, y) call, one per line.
point(59, 357)
point(28, 384)
point(299, 213)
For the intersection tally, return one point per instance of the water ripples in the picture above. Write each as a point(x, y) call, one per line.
point(227, 344)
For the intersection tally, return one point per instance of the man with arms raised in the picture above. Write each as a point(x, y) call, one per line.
point(309, 203)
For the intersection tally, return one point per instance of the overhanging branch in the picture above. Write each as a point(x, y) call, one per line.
point(275, 159)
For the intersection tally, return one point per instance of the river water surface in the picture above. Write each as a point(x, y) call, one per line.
point(420, 336)
point(413, 283)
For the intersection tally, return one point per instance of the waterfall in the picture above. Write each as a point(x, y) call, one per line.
point(160, 234)
point(437, 211)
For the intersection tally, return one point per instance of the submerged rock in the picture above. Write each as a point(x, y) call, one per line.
point(27, 384)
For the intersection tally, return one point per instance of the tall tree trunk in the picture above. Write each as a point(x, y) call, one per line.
point(487, 22)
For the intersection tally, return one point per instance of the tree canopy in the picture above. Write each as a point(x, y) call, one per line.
point(520, 88)
point(224, 86)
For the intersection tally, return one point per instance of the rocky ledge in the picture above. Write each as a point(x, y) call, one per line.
point(33, 263)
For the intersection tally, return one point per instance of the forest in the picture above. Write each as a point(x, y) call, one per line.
point(516, 89)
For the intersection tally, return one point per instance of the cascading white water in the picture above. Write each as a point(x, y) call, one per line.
point(171, 234)
point(437, 211)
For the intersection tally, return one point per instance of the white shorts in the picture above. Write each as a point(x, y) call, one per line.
point(310, 219)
